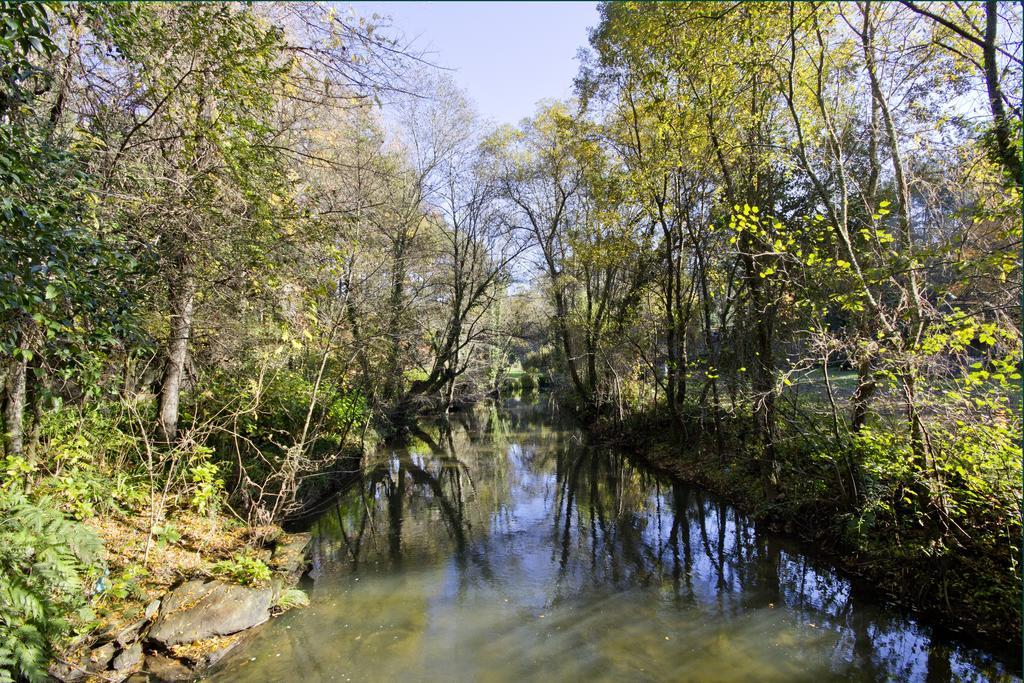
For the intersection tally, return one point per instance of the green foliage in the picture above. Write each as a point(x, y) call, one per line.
point(44, 562)
point(284, 402)
point(78, 470)
point(979, 465)
point(890, 479)
point(17, 473)
point(530, 380)
point(166, 534)
point(179, 54)
point(209, 490)
point(244, 569)
point(124, 585)
point(65, 284)
point(292, 597)
point(280, 407)
point(415, 375)
point(24, 34)
point(64, 280)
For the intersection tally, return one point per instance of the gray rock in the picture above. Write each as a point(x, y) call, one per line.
point(264, 536)
point(290, 554)
point(201, 609)
point(151, 609)
point(67, 673)
point(129, 634)
point(100, 657)
point(210, 658)
point(129, 658)
point(163, 668)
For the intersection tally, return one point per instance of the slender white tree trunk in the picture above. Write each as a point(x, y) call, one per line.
point(182, 294)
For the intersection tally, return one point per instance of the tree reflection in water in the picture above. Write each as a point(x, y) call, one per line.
point(502, 546)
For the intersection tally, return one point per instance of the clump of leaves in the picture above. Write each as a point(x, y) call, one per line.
point(75, 471)
point(208, 487)
point(292, 597)
point(166, 535)
point(43, 560)
point(244, 569)
point(122, 585)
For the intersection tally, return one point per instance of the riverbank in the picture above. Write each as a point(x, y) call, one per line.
point(171, 606)
point(967, 591)
point(503, 533)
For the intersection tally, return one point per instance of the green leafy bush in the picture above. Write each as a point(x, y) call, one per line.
point(530, 381)
point(208, 488)
point(244, 569)
point(122, 585)
point(283, 403)
point(86, 464)
point(44, 560)
point(166, 535)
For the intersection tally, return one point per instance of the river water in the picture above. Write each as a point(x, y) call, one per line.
point(502, 548)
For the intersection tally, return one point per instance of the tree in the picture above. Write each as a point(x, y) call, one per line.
point(961, 34)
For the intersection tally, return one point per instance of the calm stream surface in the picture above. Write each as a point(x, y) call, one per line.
point(503, 548)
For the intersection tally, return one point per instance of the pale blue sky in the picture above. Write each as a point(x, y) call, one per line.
point(505, 55)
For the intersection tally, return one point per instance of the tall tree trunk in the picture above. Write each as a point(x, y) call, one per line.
point(395, 372)
point(352, 317)
point(561, 321)
point(14, 407)
point(671, 342)
point(36, 395)
point(764, 408)
point(449, 399)
point(866, 385)
point(865, 390)
point(682, 319)
point(919, 435)
point(763, 311)
point(1008, 155)
point(182, 292)
point(712, 347)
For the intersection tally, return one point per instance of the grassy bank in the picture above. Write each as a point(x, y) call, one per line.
point(70, 584)
point(96, 524)
point(957, 568)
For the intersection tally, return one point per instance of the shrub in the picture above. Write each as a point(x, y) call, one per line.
point(244, 569)
point(530, 380)
point(208, 488)
point(85, 465)
point(44, 558)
